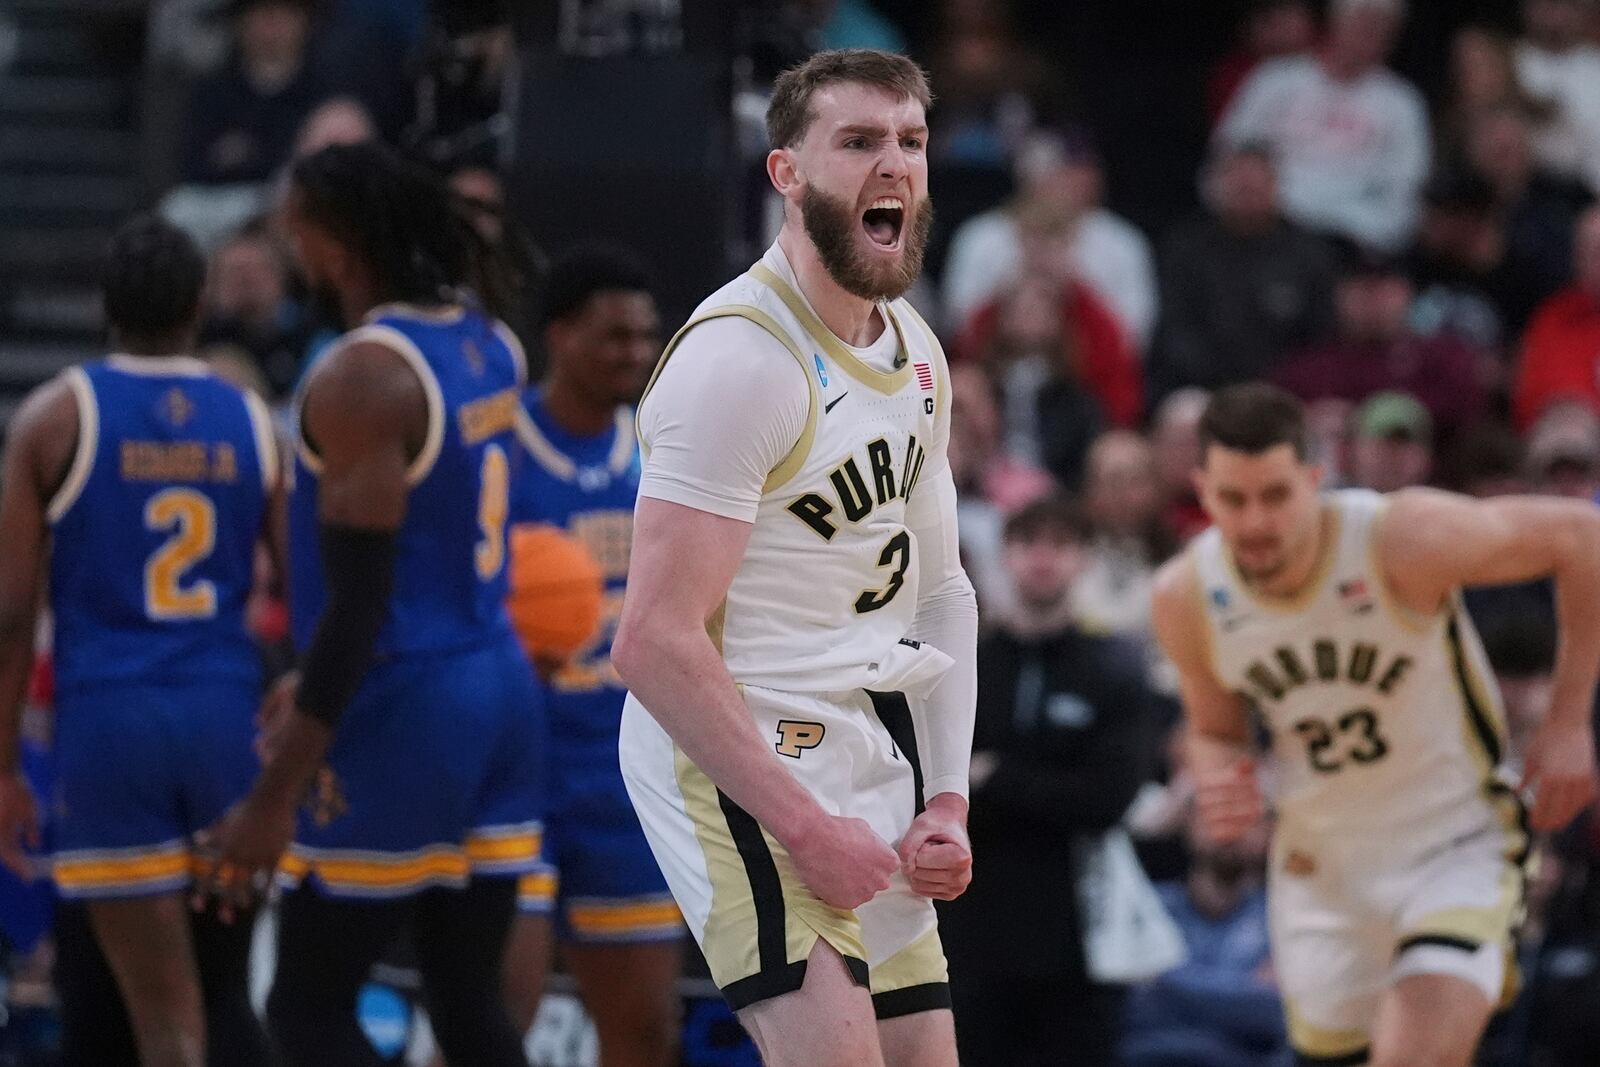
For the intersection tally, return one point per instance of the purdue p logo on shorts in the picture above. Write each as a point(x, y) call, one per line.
point(795, 737)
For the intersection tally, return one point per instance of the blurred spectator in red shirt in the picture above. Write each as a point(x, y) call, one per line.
point(1064, 368)
point(1561, 350)
point(1272, 29)
point(1375, 349)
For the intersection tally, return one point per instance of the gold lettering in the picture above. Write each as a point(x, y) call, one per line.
point(493, 414)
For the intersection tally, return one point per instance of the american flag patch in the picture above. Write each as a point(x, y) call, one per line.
point(924, 376)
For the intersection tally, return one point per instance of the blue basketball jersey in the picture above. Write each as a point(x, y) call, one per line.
point(450, 569)
point(587, 486)
point(155, 528)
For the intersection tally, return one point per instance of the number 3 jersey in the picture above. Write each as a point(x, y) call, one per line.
point(154, 529)
point(1381, 719)
point(828, 584)
point(450, 574)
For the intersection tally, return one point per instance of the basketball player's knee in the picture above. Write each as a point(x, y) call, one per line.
point(1422, 1047)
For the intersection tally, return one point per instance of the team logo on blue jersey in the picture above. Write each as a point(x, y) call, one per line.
point(176, 407)
point(474, 356)
point(822, 372)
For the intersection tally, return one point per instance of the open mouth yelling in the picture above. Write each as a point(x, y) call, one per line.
point(883, 222)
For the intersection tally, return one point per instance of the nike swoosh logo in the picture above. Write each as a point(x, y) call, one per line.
point(829, 405)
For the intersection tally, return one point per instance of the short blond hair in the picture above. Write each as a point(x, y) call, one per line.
point(789, 114)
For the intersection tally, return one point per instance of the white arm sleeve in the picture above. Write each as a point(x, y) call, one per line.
point(727, 408)
point(947, 619)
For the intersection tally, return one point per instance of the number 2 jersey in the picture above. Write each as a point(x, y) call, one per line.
point(154, 529)
point(450, 573)
point(1382, 721)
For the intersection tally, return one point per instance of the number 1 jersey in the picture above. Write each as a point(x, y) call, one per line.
point(154, 529)
point(450, 567)
point(1382, 720)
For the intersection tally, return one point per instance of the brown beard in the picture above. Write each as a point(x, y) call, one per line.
point(831, 222)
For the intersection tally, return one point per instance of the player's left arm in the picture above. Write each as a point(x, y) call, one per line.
point(1431, 543)
point(935, 852)
point(367, 414)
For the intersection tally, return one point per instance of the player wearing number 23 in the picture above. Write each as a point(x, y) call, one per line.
point(1397, 866)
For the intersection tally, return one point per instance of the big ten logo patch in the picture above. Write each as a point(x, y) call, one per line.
point(796, 737)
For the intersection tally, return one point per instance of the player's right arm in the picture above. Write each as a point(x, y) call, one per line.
point(726, 409)
point(1218, 743)
point(42, 436)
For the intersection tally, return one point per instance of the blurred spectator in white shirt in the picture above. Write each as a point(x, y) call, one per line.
point(1351, 137)
point(1060, 177)
point(1560, 66)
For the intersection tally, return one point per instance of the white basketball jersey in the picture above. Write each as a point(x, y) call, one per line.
point(1382, 721)
point(828, 584)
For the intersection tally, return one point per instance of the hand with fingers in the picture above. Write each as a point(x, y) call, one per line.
point(842, 860)
point(935, 853)
point(240, 852)
point(1228, 800)
point(1558, 770)
point(19, 825)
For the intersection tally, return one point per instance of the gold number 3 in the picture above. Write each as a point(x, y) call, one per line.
point(193, 520)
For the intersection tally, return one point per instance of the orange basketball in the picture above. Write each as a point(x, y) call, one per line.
point(556, 592)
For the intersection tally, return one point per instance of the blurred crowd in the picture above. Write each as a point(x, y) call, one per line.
point(1419, 263)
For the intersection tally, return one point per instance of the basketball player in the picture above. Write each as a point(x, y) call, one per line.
point(145, 483)
point(798, 636)
point(1396, 867)
point(410, 726)
point(619, 929)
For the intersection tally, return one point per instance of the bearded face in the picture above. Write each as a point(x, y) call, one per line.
point(873, 251)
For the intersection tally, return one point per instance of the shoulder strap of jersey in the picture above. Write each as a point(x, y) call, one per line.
point(883, 382)
point(790, 464)
point(84, 452)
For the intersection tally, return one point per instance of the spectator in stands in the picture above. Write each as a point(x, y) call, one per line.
point(1564, 451)
point(1375, 349)
point(243, 119)
point(1483, 77)
point(1221, 1007)
point(1537, 210)
point(1061, 180)
point(1393, 443)
point(1560, 66)
point(1175, 437)
point(1350, 136)
point(339, 120)
point(1560, 355)
point(1240, 286)
point(992, 483)
point(1063, 366)
point(1487, 461)
point(248, 305)
point(1129, 540)
point(1456, 267)
point(990, 85)
point(1059, 753)
point(1273, 29)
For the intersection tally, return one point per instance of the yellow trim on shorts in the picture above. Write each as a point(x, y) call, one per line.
point(369, 872)
point(103, 869)
point(502, 845)
point(920, 963)
point(1310, 1040)
point(623, 917)
point(537, 887)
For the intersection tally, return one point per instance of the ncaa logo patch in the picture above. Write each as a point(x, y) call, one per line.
point(822, 371)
